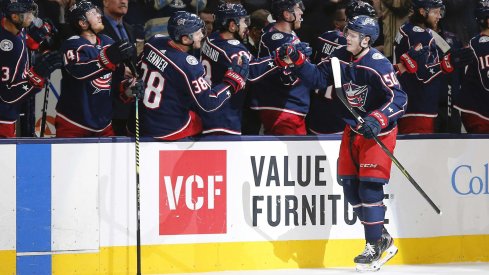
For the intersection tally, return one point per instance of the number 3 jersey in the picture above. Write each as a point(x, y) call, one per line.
point(85, 99)
point(175, 87)
point(474, 97)
point(369, 84)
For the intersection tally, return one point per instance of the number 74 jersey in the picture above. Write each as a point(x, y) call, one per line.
point(175, 87)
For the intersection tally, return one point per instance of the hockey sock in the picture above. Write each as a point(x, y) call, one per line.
point(371, 196)
point(350, 190)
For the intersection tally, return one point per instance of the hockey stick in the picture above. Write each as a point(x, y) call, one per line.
point(44, 108)
point(335, 63)
point(134, 72)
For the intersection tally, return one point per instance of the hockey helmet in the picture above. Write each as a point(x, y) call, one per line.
point(18, 6)
point(358, 7)
point(78, 11)
point(279, 6)
point(482, 12)
point(184, 23)
point(366, 26)
point(428, 4)
point(230, 11)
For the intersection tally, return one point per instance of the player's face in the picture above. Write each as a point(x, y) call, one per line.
point(298, 11)
point(25, 19)
point(244, 22)
point(94, 18)
point(353, 42)
point(433, 16)
point(197, 37)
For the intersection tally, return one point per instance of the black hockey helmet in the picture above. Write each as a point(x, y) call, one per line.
point(482, 12)
point(279, 6)
point(18, 6)
point(184, 23)
point(229, 11)
point(358, 7)
point(366, 26)
point(78, 11)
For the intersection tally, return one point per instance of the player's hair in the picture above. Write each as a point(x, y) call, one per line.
point(358, 7)
point(10, 7)
point(416, 17)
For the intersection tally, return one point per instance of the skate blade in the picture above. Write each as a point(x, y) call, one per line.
point(376, 265)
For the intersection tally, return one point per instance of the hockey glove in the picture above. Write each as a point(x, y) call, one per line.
point(280, 55)
point(238, 73)
point(294, 55)
point(130, 89)
point(45, 65)
point(304, 48)
point(415, 55)
point(38, 31)
point(116, 53)
point(457, 58)
point(373, 124)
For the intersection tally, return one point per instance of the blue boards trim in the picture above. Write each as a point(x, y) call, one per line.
point(33, 225)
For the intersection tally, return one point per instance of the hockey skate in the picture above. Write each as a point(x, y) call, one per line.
point(377, 254)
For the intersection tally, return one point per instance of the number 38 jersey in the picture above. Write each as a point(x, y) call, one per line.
point(175, 87)
point(475, 87)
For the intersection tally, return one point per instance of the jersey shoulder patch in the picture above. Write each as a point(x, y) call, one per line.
point(277, 36)
point(192, 60)
point(74, 37)
point(234, 42)
point(484, 39)
point(6, 45)
point(377, 56)
point(418, 29)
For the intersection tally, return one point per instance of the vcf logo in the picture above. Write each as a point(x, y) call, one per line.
point(192, 192)
point(464, 182)
point(356, 95)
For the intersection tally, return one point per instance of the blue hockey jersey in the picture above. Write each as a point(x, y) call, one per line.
point(85, 98)
point(217, 54)
point(279, 90)
point(175, 85)
point(323, 117)
point(369, 84)
point(423, 87)
point(474, 97)
point(14, 85)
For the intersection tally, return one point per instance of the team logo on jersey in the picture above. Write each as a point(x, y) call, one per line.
point(192, 192)
point(6, 45)
point(484, 39)
point(356, 95)
point(233, 42)
point(377, 56)
point(192, 60)
point(418, 29)
point(277, 36)
point(102, 83)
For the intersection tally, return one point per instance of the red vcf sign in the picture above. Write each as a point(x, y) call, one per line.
point(192, 192)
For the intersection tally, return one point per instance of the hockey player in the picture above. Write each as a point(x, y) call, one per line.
point(18, 79)
point(474, 98)
point(371, 87)
point(84, 108)
point(280, 98)
point(322, 117)
point(176, 88)
point(423, 86)
point(218, 51)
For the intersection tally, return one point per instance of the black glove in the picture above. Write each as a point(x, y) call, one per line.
point(304, 48)
point(238, 73)
point(138, 89)
point(291, 51)
point(370, 128)
point(38, 31)
point(457, 58)
point(116, 53)
point(45, 65)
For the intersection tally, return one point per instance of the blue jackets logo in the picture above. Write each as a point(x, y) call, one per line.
point(465, 180)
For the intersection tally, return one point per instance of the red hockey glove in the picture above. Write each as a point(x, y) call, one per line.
point(45, 65)
point(38, 31)
point(374, 123)
point(458, 58)
point(295, 56)
point(415, 55)
point(238, 73)
point(116, 53)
